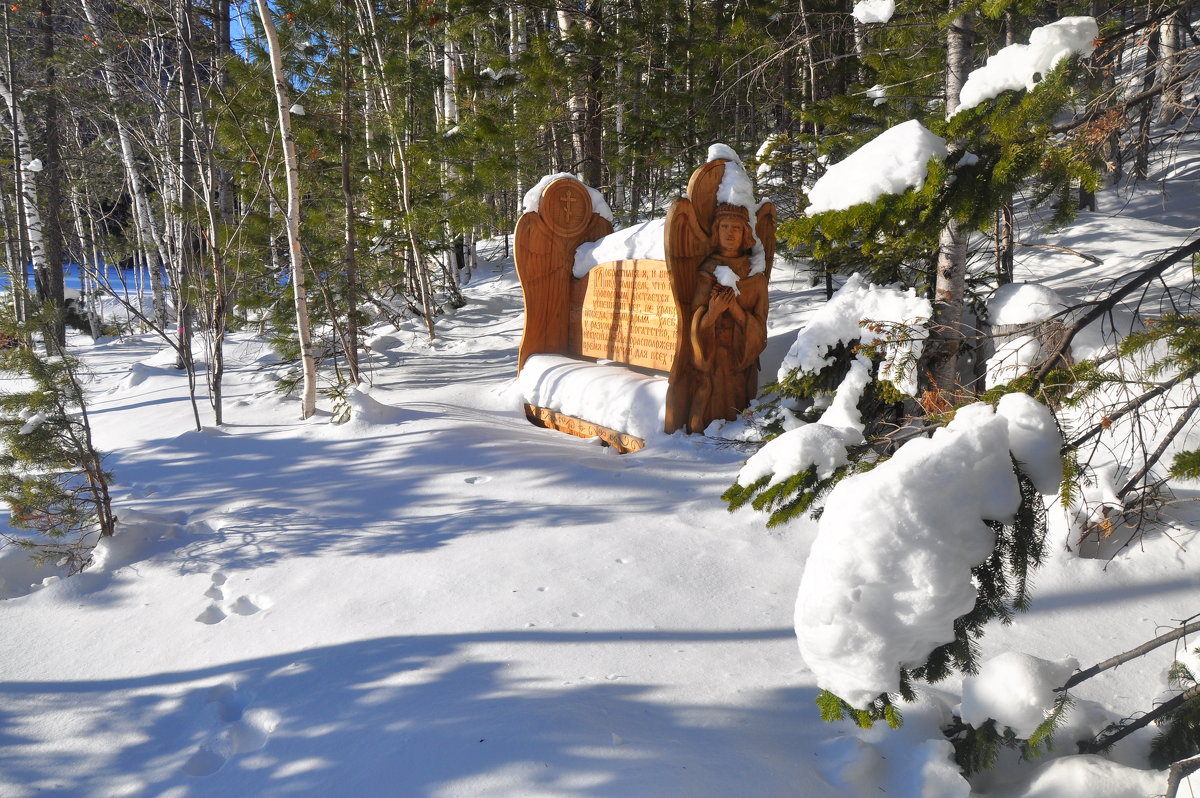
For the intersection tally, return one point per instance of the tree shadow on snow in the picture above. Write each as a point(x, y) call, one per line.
point(439, 474)
point(413, 716)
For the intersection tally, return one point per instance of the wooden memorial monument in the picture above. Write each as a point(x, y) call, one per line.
point(698, 316)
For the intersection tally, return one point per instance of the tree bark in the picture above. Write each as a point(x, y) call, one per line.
point(951, 268)
point(308, 400)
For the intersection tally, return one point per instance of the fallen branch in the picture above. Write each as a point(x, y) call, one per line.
point(1100, 307)
point(1133, 653)
point(1180, 771)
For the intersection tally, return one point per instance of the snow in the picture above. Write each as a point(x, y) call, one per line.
point(440, 599)
point(612, 396)
point(1015, 690)
point(1024, 303)
point(821, 445)
point(888, 318)
point(869, 11)
point(297, 110)
point(1019, 352)
point(1022, 66)
point(1033, 439)
point(1092, 776)
point(886, 579)
point(728, 278)
point(637, 242)
point(533, 197)
point(34, 166)
point(891, 163)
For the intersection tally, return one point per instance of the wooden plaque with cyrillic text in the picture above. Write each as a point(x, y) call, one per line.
point(625, 311)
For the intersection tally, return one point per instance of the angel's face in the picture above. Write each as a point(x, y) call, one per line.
point(729, 236)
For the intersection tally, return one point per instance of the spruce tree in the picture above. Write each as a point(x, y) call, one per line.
point(51, 475)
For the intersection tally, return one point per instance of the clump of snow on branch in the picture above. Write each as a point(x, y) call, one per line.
point(737, 189)
point(887, 578)
point(34, 166)
point(1020, 351)
point(639, 241)
point(611, 396)
point(1034, 440)
point(868, 11)
point(821, 445)
point(1021, 66)
point(889, 319)
point(1015, 690)
point(891, 163)
point(533, 197)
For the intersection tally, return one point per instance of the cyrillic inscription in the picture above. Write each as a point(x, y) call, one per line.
point(625, 311)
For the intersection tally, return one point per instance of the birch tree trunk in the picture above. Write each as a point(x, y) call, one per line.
point(149, 239)
point(308, 402)
point(951, 271)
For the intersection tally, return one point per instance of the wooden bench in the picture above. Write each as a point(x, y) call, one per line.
point(671, 315)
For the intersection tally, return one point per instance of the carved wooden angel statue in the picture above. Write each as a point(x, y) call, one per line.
point(729, 321)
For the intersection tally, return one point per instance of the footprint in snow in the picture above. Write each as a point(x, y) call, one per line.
point(244, 605)
point(477, 480)
point(240, 730)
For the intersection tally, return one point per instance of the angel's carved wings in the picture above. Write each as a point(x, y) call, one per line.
point(764, 228)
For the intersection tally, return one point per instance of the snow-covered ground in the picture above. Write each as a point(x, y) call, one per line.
point(439, 599)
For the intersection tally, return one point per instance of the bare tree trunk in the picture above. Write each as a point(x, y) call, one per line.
point(50, 278)
point(584, 102)
point(1141, 160)
point(149, 239)
point(1171, 105)
point(308, 403)
point(951, 269)
point(349, 219)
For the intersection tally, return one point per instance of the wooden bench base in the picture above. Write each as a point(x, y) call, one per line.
point(552, 419)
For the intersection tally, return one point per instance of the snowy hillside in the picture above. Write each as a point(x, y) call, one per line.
point(439, 599)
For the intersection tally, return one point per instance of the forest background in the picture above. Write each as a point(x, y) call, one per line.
point(351, 178)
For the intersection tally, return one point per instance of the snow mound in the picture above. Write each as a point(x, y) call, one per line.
point(1024, 303)
point(886, 579)
point(891, 163)
point(1015, 690)
point(1022, 66)
point(140, 372)
point(608, 395)
point(366, 411)
point(1090, 775)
